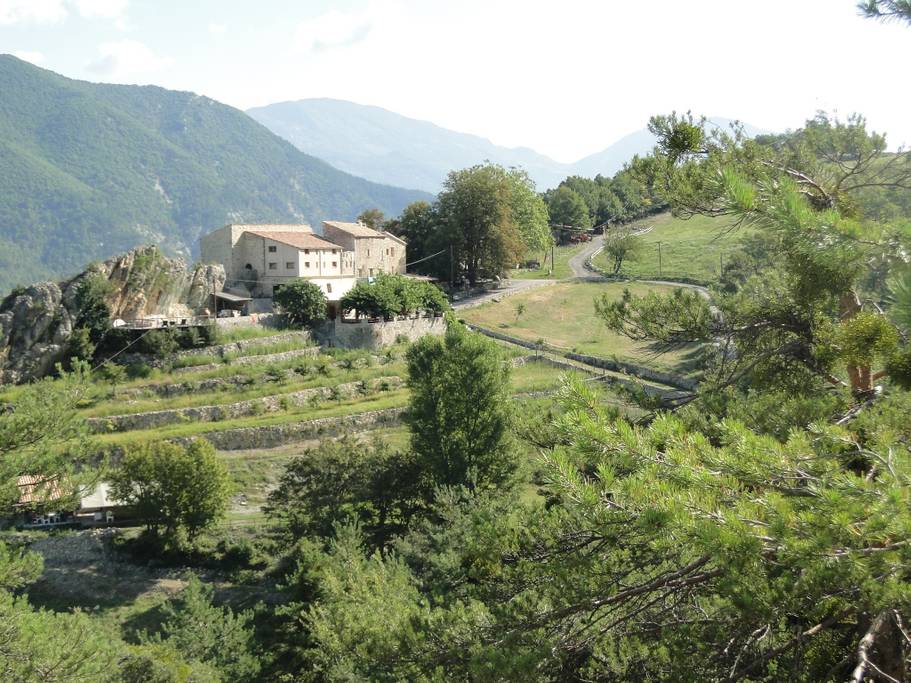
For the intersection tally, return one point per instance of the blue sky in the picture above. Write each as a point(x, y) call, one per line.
point(566, 78)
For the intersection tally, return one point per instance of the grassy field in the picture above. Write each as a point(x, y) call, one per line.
point(693, 248)
point(563, 315)
point(561, 272)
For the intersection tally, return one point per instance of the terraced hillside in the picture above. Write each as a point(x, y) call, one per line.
point(261, 405)
point(262, 401)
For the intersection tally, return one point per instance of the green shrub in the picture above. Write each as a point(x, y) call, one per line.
point(139, 370)
point(302, 302)
point(159, 343)
point(80, 344)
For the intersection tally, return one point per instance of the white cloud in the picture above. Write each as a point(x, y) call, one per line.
point(126, 59)
point(106, 9)
point(217, 28)
point(36, 11)
point(332, 30)
point(30, 56)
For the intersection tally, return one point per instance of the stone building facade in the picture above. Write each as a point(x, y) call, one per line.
point(260, 258)
point(374, 252)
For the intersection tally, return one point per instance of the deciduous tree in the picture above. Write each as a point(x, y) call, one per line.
point(175, 489)
point(567, 207)
point(373, 218)
point(302, 302)
point(622, 245)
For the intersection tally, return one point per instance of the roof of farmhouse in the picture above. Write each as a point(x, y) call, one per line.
point(300, 240)
point(361, 230)
point(273, 227)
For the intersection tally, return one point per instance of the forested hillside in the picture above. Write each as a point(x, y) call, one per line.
point(88, 170)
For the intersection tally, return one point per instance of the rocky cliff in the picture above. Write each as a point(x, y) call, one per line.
point(36, 322)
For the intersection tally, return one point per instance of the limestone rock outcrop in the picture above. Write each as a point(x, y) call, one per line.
point(36, 322)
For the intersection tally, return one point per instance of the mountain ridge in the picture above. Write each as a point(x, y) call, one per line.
point(91, 169)
point(383, 146)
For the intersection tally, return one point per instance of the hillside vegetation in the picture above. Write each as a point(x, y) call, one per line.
point(563, 316)
point(691, 249)
point(87, 170)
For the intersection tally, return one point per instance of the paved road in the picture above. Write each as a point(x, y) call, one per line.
point(580, 271)
point(508, 288)
point(577, 262)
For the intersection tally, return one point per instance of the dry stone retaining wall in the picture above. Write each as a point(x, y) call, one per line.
point(279, 435)
point(302, 336)
point(252, 360)
point(256, 406)
point(375, 335)
point(634, 369)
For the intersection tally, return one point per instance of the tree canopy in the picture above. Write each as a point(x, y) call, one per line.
point(459, 410)
point(302, 302)
point(174, 489)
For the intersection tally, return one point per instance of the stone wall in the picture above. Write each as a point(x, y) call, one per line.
point(279, 435)
point(302, 336)
point(375, 335)
point(625, 367)
point(666, 395)
point(265, 319)
point(230, 411)
point(310, 351)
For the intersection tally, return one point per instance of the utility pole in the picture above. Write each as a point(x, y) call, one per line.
point(660, 273)
point(451, 271)
point(553, 264)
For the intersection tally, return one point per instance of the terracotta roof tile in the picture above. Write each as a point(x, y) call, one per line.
point(356, 229)
point(300, 240)
point(274, 227)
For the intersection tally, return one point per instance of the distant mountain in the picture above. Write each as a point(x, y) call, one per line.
point(88, 170)
point(610, 160)
point(386, 147)
point(378, 144)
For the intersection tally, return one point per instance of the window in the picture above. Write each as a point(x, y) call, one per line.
point(328, 288)
point(273, 266)
point(306, 264)
point(289, 265)
point(306, 251)
point(335, 264)
point(333, 251)
point(272, 249)
point(368, 252)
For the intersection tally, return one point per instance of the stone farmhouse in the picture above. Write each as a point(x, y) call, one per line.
point(373, 252)
point(259, 259)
